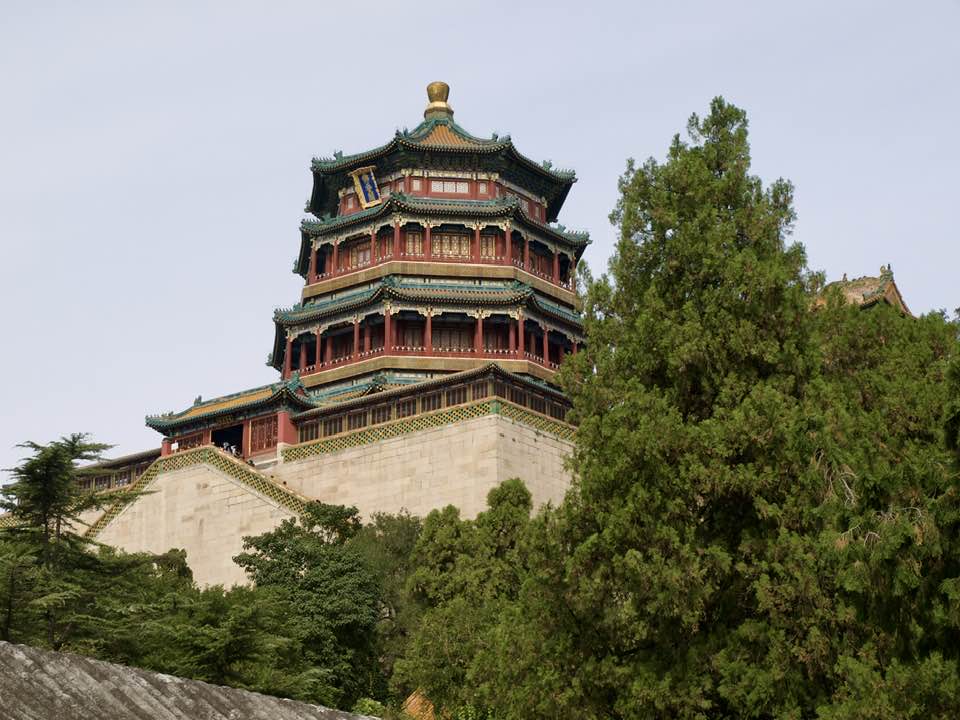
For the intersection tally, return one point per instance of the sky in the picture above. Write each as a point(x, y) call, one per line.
point(154, 158)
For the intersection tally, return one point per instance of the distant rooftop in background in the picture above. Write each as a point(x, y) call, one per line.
point(44, 685)
point(868, 290)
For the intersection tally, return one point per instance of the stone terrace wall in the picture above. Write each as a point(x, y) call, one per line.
point(452, 464)
point(201, 510)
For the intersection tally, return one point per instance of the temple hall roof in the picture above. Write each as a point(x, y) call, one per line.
point(289, 393)
point(438, 141)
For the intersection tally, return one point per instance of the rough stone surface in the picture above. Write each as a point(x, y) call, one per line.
point(43, 685)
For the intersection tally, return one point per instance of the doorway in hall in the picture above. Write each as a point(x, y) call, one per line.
point(229, 439)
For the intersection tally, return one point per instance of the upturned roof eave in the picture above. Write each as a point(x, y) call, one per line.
point(283, 394)
point(495, 208)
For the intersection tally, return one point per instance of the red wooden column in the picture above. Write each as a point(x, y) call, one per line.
point(428, 334)
point(526, 253)
point(165, 447)
point(396, 240)
point(476, 244)
point(520, 334)
point(303, 355)
point(356, 338)
point(478, 335)
point(366, 337)
point(373, 247)
point(328, 351)
point(427, 242)
point(512, 334)
point(573, 351)
point(312, 272)
point(508, 247)
point(336, 260)
point(387, 330)
point(318, 358)
point(556, 267)
point(286, 357)
point(286, 430)
point(546, 346)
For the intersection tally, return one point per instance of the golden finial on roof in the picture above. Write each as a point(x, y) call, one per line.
point(438, 92)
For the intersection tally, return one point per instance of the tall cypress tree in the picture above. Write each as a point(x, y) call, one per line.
point(738, 540)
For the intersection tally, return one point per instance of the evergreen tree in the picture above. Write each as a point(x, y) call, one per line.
point(331, 595)
point(52, 579)
point(763, 514)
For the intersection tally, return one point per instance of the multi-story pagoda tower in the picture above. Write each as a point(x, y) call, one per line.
point(417, 369)
point(435, 253)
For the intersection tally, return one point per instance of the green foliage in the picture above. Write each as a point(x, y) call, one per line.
point(467, 572)
point(48, 573)
point(764, 521)
point(331, 593)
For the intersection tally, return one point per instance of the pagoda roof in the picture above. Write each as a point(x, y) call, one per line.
point(290, 393)
point(501, 207)
point(389, 288)
point(442, 137)
point(440, 134)
point(867, 291)
point(426, 385)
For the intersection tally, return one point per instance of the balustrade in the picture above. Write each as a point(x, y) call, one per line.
point(434, 257)
point(502, 353)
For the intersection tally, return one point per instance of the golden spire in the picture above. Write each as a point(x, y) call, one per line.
point(438, 92)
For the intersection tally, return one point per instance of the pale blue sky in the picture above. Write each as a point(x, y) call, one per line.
point(155, 157)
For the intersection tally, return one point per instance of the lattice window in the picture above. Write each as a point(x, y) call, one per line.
point(359, 254)
point(488, 246)
point(518, 396)
point(102, 482)
point(416, 185)
point(430, 402)
point(309, 431)
point(263, 434)
point(414, 243)
point(411, 336)
point(496, 337)
point(406, 408)
point(451, 245)
point(453, 338)
point(482, 188)
point(479, 389)
point(357, 420)
point(332, 426)
point(123, 478)
point(189, 441)
point(86, 484)
point(453, 187)
point(537, 403)
point(558, 411)
point(380, 414)
point(456, 396)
